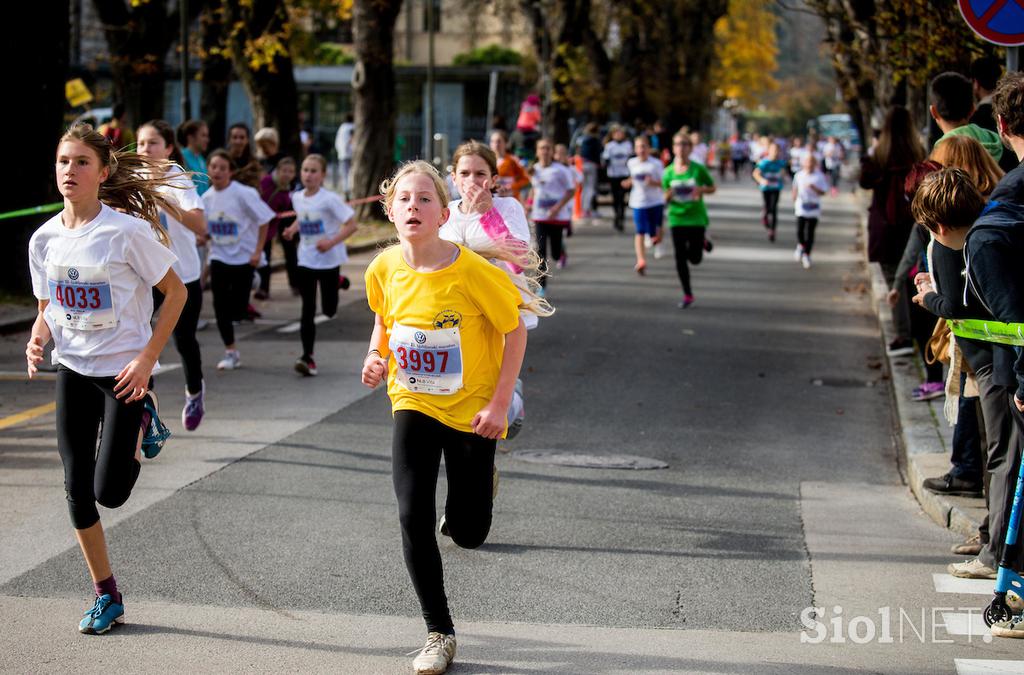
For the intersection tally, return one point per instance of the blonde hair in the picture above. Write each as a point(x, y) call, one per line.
point(967, 154)
point(947, 197)
point(133, 182)
point(320, 159)
point(418, 166)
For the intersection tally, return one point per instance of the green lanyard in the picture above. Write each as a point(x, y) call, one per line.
point(988, 331)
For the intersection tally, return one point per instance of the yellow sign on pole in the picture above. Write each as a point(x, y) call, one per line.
point(76, 92)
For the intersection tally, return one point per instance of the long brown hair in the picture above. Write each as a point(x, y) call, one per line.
point(166, 132)
point(899, 145)
point(967, 154)
point(133, 183)
point(484, 152)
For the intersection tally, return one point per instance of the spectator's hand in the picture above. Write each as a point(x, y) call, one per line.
point(374, 368)
point(892, 297)
point(324, 245)
point(290, 231)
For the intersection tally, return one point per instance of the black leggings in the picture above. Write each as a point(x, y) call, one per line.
point(417, 446)
point(548, 234)
point(106, 475)
point(688, 244)
point(308, 280)
point(618, 200)
point(185, 334)
point(805, 232)
point(771, 208)
point(231, 287)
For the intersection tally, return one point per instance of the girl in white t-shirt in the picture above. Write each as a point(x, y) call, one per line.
point(323, 222)
point(156, 140)
point(553, 189)
point(496, 228)
point(237, 219)
point(617, 150)
point(93, 270)
point(646, 198)
point(809, 185)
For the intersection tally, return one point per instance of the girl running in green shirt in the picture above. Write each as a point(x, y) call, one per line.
point(685, 183)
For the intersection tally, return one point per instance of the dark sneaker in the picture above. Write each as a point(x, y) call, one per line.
point(154, 433)
point(192, 413)
point(951, 485)
point(709, 245)
point(343, 282)
point(687, 301)
point(900, 347)
point(306, 366)
point(103, 615)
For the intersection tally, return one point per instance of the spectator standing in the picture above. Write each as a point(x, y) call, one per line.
point(194, 139)
point(343, 146)
point(248, 171)
point(116, 131)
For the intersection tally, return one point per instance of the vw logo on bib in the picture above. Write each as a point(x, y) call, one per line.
point(72, 274)
point(420, 337)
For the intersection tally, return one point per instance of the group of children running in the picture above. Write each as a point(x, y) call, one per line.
point(452, 302)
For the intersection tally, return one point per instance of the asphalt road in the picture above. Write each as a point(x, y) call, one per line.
point(268, 539)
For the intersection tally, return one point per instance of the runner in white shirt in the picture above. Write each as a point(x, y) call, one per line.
point(93, 270)
point(646, 198)
point(809, 185)
point(700, 149)
point(323, 222)
point(562, 158)
point(156, 141)
point(553, 189)
point(237, 219)
point(616, 152)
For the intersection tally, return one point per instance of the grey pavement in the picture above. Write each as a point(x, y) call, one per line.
point(268, 540)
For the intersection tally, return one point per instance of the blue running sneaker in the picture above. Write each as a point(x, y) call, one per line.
point(155, 434)
point(104, 614)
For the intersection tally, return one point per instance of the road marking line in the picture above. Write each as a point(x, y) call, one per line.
point(966, 623)
point(946, 583)
point(294, 326)
point(988, 667)
point(27, 415)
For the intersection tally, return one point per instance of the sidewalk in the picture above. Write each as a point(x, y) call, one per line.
point(922, 429)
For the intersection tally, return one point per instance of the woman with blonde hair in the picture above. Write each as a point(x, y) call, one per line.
point(970, 156)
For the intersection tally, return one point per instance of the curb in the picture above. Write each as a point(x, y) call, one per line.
point(19, 324)
point(924, 435)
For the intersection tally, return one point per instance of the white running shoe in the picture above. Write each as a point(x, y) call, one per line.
point(647, 241)
point(437, 654)
point(798, 253)
point(232, 360)
point(805, 260)
point(659, 250)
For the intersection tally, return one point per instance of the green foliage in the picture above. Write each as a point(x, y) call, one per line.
point(491, 55)
point(332, 54)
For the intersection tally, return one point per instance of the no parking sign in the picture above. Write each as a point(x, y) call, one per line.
point(998, 21)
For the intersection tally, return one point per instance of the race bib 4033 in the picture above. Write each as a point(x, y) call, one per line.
point(81, 297)
point(428, 361)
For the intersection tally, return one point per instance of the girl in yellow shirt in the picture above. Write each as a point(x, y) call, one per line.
point(449, 339)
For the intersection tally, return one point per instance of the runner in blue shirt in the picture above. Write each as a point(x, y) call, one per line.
point(768, 174)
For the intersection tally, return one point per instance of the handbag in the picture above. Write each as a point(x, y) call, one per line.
point(937, 348)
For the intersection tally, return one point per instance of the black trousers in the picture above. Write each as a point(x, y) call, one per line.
point(185, 334)
point(106, 475)
point(308, 280)
point(688, 244)
point(549, 235)
point(417, 446)
point(805, 232)
point(618, 200)
point(231, 287)
point(771, 208)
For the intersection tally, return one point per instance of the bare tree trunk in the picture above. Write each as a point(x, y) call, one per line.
point(38, 78)
point(373, 27)
point(215, 74)
point(271, 85)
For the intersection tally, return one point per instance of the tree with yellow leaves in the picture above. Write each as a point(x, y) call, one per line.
point(745, 51)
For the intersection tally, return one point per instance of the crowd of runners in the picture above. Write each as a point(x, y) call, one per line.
point(453, 301)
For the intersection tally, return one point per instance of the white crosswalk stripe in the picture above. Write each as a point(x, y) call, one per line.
point(294, 326)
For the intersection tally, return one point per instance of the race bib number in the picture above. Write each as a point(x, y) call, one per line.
point(640, 177)
point(81, 297)
point(773, 177)
point(811, 206)
point(428, 361)
point(683, 190)
point(546, 203)
point(223, 230)
point(311, 229)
